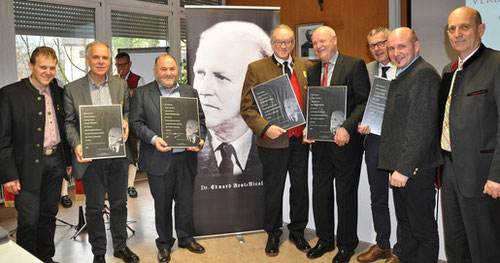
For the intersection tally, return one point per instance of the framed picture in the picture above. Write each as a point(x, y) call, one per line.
point(303, 33)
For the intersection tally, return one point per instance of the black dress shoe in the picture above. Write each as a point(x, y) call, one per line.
point(194, 247)
point(99, 259)
point(300, 242)
point(343, 256)
point(319, 250)
point(164, 255)
point(66, 201)
point(132, 192)
point(126, 255)
point(272, 246)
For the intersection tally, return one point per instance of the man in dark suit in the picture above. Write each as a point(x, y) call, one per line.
point(339, 161)
point(378, 179)
point(102, 175)
point(170, 172)
point(34, 153)
point(280, 151)
point(409, 147)
point(470, 99)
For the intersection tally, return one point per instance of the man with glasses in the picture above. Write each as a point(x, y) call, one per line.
point(123, 65)
point(378, 179)
point(280, 151)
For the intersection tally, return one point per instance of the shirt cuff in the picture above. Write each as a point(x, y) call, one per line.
point(153, 140)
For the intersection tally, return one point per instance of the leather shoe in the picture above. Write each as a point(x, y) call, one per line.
point(300, 242)
point(374, 253)
point(126, 255)
point(392, 259)
point(272, 246)
point(132, 192)
point(343, 256)
point(194, 247)
point(99, 259)
point(164, 255)
point(66, 201)
point(319, 250)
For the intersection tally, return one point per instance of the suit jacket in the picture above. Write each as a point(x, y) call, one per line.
point(474, 125)
point(207, 164)
point(261, 71)
point(77, 93)
point(145, 123)
point(372, 68)
point(22, 129)
point(410, 133)
point(352, 72)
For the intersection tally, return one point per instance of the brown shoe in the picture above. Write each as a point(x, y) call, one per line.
point(194, 247)
point(392, 259)
point(164, 255)
point(374, 253)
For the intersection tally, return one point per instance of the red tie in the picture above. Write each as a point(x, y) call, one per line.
point(324, 79)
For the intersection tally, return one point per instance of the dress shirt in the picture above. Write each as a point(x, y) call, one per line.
point(241, 146)
point(399, 71)
point(331, 67)
point(100, 94)
point(289, 60)
point(51, 132)
point(391, 72)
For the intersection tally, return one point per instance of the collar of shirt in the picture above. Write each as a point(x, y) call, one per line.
point(42, 91)
point(391, 72)
point(175, 92)
point(470, 55)
point(94, 86)
point(289, 60)
point(407, 66)
point(242, 147)
point(332, 61)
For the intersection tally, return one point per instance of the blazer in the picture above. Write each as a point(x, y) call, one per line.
point(22, 129)
point(145, 122)
point(372, 68)
point(410, 133)
point(77, 93)
point(474, 125)
point(352, 72)
point(261, 71)
point(207, 164)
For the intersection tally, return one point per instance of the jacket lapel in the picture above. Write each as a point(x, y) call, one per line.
point(154, 94)
point(87, 100)
point(338, 70)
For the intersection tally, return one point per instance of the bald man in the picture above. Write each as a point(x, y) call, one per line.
point(339, 160)
point(409, 147)
point(470, 139)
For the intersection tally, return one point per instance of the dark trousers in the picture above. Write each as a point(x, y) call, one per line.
point(106, 175)
point(175, 185)
point(471, 225)
point(415, 205)
point(37, 209)
point(275, 165)
point(379, 193)
point(342, 164)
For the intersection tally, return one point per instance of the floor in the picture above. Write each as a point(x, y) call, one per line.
point(140, 212)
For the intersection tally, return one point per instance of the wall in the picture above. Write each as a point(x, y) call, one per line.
point(351, 20)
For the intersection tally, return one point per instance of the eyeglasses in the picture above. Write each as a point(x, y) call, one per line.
point(380, 44)
point(281, 42)
point(122, 64)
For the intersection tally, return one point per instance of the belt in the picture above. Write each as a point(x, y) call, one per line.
point(48, 151)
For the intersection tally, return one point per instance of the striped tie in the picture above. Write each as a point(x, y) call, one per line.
point(445, 135)
point(324, 79)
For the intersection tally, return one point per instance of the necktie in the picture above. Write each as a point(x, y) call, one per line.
point(384, 72)
point(226, 166)
point(287, 69)
point(324, 79)
point(445, 135)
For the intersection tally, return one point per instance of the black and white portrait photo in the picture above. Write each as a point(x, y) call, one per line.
point(304, 46)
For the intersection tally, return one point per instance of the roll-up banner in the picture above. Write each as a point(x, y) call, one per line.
point(221, 42)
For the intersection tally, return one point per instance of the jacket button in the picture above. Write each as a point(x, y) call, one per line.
point(39, 98)
point(39, 129)
point(38, 145)
point(37, 161)
point(40, 113)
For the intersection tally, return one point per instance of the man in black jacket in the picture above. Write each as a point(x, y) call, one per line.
point(34, 154)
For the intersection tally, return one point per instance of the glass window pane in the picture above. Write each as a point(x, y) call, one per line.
point(201, 2)
point(67, 29)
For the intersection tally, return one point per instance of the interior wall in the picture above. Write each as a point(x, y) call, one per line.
point(351, 20)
